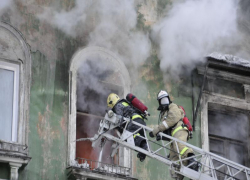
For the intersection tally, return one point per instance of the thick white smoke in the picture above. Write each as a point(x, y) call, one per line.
point(110, 24)
point(193, 29)
point(5, 5)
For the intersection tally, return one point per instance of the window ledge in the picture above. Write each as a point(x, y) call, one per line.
point(14, 153)
point(78, 173)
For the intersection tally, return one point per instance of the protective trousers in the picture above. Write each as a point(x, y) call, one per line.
point(182, 135)
point(132, 128)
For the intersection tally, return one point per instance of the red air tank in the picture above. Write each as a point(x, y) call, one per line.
point(137, 103)
point(186, 120)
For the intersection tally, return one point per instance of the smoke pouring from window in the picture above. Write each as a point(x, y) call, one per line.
point(90, 86)
point(193, 29)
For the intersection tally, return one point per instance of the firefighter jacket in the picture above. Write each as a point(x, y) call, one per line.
point(171, 118)
point(122, 108)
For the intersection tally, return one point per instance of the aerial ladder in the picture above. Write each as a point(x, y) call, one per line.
point(211, 166)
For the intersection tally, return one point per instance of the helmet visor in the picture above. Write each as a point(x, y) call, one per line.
point(164, 101)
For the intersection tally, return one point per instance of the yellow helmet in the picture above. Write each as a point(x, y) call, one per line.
point(112, 100)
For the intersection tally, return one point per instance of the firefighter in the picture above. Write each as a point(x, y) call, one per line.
point(171, 116)
point(123, 108)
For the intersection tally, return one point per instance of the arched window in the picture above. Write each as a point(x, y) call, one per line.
point(15, 75)
point(94, 73)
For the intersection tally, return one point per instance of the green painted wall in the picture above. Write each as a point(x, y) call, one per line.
point(49, 100)
point(146, 89)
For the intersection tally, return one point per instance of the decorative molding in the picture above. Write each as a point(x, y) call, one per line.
point(213, 73)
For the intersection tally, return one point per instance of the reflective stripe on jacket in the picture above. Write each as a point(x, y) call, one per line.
point(136, 116)
point(177, 129)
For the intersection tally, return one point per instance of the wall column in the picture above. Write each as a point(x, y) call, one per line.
point(14, 170)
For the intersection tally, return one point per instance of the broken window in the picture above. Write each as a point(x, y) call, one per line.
point(9, 88)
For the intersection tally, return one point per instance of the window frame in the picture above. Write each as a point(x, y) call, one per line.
point(211, 98)
point(15, 68)
point(16, 153)
point(79, 57)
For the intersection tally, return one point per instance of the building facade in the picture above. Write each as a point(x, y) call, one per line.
point(55, 86)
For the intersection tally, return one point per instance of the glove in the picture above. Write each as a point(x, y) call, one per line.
point(110, 113)
point(151, 134)
point(154, 132)
point(158, 137)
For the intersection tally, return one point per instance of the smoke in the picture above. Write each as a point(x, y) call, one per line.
point(5, 5)
point(110, 24)
point(228, 125)
point(228, 135)
point(193, 29)
point(92, 92)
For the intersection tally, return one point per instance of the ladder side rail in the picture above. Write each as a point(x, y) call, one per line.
point(174, 140)
point(149, 154)
point(123, 143)
point(196, 149)
point(153, 155)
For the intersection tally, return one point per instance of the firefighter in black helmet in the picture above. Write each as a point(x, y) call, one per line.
point(122, 107)
point(171, 116)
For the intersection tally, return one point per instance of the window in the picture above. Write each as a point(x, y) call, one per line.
point(229, 135)
point(15, 75)
point(96, 79)
point(94, 73)
point(9, 88)
point(225, 120)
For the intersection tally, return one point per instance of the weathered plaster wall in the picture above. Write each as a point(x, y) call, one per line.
point(47, 127)
point(51, 53)
point(150, 82)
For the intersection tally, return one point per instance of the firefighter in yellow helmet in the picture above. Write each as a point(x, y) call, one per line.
point(123, 108)
point(171, 116)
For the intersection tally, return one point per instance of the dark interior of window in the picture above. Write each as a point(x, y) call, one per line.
point(229, 136)
point(97, 78)
point(225, 87)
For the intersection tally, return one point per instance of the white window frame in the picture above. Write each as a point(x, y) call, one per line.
point(79, 57)
point(15, 68)
point(17, 52)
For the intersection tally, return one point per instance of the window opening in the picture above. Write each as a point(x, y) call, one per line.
point(96, 79)
point(229, 136)
point(9, 88)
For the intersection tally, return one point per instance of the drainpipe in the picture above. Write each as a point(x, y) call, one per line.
point(192, 83)
point(199, 99)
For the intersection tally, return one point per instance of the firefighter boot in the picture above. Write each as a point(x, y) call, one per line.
point(140, 155)
point(193, 161)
